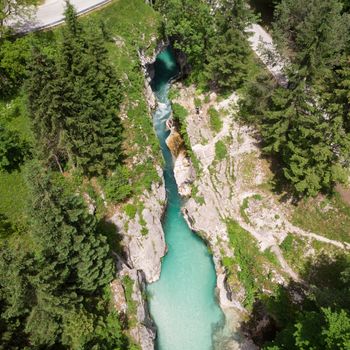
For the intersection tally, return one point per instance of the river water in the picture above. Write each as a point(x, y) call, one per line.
point(182, 302)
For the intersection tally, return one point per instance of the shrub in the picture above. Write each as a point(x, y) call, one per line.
point(118, 187)
point(179, 112)
point(130, 210)
point(220, 150)
point(13, 150)
point(215, 120)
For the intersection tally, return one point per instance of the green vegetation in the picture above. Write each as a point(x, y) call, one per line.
point(132, 306)
point(13, 150)
point(180, 113)
point(220, 150)
point(306, 124)
point(194, 194)
point(212, 38)
point(245, 206)
point(214, 119)
point(130, 210)
point(117, 186)
point(327, 217)
point(321, 318)
point(251, 261)
point(293, 249)
point(63, 262)
point(80, 79)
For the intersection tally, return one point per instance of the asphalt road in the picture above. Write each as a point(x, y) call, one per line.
point(51, 13)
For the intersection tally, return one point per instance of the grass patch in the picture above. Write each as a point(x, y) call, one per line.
point(214, 119)
point(128, 284)
point(245, 206)
point(329, 217)
point(251, 261)
point(220, 151)
point(293, 249)
point(194, 194)
point(130, 210)
point(14, 195)
point(271, 257)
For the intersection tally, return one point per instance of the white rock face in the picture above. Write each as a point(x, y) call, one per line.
point(184, 174)
point(119, 296)
point(146, 244)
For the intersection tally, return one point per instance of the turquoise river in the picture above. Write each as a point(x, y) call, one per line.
point(182, 302)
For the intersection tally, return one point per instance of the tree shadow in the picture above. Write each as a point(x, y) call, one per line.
point(114, 238)
point(326, 284)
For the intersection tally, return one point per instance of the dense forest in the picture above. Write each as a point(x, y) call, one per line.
point(56, 259)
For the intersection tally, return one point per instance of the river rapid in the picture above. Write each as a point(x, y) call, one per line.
point(182, 302)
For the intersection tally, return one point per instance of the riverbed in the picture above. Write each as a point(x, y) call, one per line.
point(182, 302)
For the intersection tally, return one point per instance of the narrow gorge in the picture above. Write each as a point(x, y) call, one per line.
point(182, 301)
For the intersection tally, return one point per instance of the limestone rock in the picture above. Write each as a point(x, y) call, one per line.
point(119, 300)
point(175, 143)
point(145, 243)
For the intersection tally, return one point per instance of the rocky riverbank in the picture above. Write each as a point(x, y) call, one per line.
point(142, 239)
point(144, 244)
point(233, 183)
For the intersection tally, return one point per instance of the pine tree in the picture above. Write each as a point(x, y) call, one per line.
point(309, 138)
point(227, 57)
point(45, 108)
point(91, 99)
point(313, 33)
point(74, 102)
point(228, 51)
point(72, 262)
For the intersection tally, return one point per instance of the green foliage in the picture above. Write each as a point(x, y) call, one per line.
point(312, 214)
point(214, 119)
point(256, 96)
point(246, 255)
point(14, 56)
point(117, 187)
point(295, 128)
point(220, 150)
point(75, 117)
point(197, 102)
point(228, 54)
point(296, 25)
point(188, 24)
point(130, 210)
point(14, 195)
point(179, 112)
point(306, 124)
point(128, 284)
point(13, 150)
point(319, 318)
point(195, 27)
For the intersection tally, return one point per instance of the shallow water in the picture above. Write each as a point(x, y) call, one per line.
point(182, 302)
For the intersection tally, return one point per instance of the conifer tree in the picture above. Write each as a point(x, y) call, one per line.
point(73, 262)
point(45, 98)
point(309, 138)
point(228, 50)
point(74, 102)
